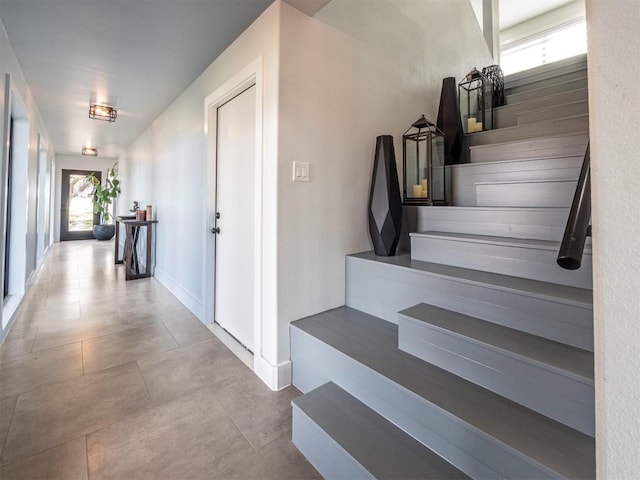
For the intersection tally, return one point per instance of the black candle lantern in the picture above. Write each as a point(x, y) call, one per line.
point(423, 164)
point(476, 102)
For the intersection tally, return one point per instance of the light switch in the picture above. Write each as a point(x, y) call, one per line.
point(300, 171)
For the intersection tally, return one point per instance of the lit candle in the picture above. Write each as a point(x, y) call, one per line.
point(417, 191)
point(425, 188)
point(478, 127)
point(471, 125)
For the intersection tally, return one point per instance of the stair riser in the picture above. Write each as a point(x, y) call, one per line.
point(551, 193)
point(383, 290)
point(564, 398)
point(506, 116)
point(535, 264)
point(331, 460)
point(457, 442)
point(517, 223)
point(466, 177)
point(533, 130)
point(548, 147)
point(529, 84)
point(542, 72)
point(553, 89)
point(553, 113)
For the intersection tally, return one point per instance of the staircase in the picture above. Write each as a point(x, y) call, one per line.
point(471, 356)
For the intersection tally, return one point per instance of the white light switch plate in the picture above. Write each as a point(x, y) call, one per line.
point(300, 171)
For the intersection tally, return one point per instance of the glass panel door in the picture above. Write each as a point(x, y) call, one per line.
point(76, 208)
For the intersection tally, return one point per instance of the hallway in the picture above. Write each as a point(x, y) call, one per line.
point(102, 378)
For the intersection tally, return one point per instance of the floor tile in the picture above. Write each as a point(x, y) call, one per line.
point(188, 329)
point(48, 316)
point(277, 460)
point(183, 371)
point(19, 341)
point(189, 438)
point(6, 412)
point(53, 415)
point(34, 370)
point(67, 461)
point(82, 329)
point(118, 348)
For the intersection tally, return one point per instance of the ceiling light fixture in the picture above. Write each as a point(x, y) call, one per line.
point(89, 151)
point(103, 112)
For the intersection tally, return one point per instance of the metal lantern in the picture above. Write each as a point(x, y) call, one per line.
point(423, 164)
point(476, 102)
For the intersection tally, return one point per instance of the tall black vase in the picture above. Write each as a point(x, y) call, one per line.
point(449, 121)
point(385, 203)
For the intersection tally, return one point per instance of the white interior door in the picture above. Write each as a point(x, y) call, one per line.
point(235, 212)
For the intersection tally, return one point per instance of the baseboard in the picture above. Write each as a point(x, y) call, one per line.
point(192, 303)
point(276, 377)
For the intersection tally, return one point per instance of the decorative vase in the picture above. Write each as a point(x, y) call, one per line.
point(385, 203)
point(104, 232)
point(449, 121)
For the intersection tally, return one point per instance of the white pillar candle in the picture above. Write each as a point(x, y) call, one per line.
point(425, 188)
point(478, 127)
point(471, 125)
point(417, 191)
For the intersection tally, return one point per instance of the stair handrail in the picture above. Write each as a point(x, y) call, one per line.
point(578, 224)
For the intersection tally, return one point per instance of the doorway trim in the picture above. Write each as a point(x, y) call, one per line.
point(251, 75)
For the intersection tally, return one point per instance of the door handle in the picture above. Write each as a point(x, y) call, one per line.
point(215, 230)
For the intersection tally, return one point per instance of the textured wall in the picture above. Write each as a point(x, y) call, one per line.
point(614, 106)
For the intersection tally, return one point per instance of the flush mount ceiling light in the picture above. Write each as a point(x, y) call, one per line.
point(103, 112)
point(88, 151)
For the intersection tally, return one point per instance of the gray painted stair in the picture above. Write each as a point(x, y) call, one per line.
point(524, 258)
point(343, 438)
point(382, 286)
point(553, 379)
point(542, 81)
point(555, 192)
point(579, 107)
point(466, 176)
point(553, 89)
point(481, 433)
point(544, 147)
point(575, 124)
point(532, 223)
point(543, 72)
point(505, 116)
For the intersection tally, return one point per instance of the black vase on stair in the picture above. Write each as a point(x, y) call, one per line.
point(385, 203)
point(449, 121)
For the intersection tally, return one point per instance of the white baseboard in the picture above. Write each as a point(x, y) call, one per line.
point(276, 377)
point(192, 303)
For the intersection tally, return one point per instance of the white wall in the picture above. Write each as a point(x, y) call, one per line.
point(26, 247)
point(614, 104)
point(76, 162)
point(365, 69)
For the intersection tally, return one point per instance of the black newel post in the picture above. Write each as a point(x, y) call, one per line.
point(385, 203)
point(449, 121)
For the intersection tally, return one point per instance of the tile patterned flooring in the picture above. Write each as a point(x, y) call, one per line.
point(102, 378)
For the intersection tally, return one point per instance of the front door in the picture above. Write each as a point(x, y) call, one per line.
point(235, 217)
point(76, 205)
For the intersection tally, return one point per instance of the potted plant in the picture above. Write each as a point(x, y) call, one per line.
point(103, 197)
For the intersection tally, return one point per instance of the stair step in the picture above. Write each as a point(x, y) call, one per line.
point(574, 124)
point(534, 223)
point(382, 286)
point(579, 107)
point(505, 116)
point(551, 146)
point(343, 438)
point(466, 176)
point(553, 379)
point(525, 258)
point(545, 91)
point(542, 81)
point(439, 409)
point(549, 70)
point(526, 193)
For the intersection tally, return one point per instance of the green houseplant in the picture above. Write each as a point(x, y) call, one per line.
point(103, 196)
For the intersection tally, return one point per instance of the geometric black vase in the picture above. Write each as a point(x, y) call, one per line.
point(385, 203)
point(449, 121)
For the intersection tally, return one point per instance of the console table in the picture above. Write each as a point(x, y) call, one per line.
point(134, 269)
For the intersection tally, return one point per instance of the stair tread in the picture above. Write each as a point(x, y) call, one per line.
point(533, 180)
point(560, 293)
point(544, 98)
point(565, 358)
point(373, 342)
point(485, 164)
point(526, 140)
point(552, 107)
point(380, 447)
point(579, 61)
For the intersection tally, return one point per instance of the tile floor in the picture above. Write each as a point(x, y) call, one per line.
point(102, 378)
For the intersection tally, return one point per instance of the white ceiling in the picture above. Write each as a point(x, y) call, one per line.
point(137, 54)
